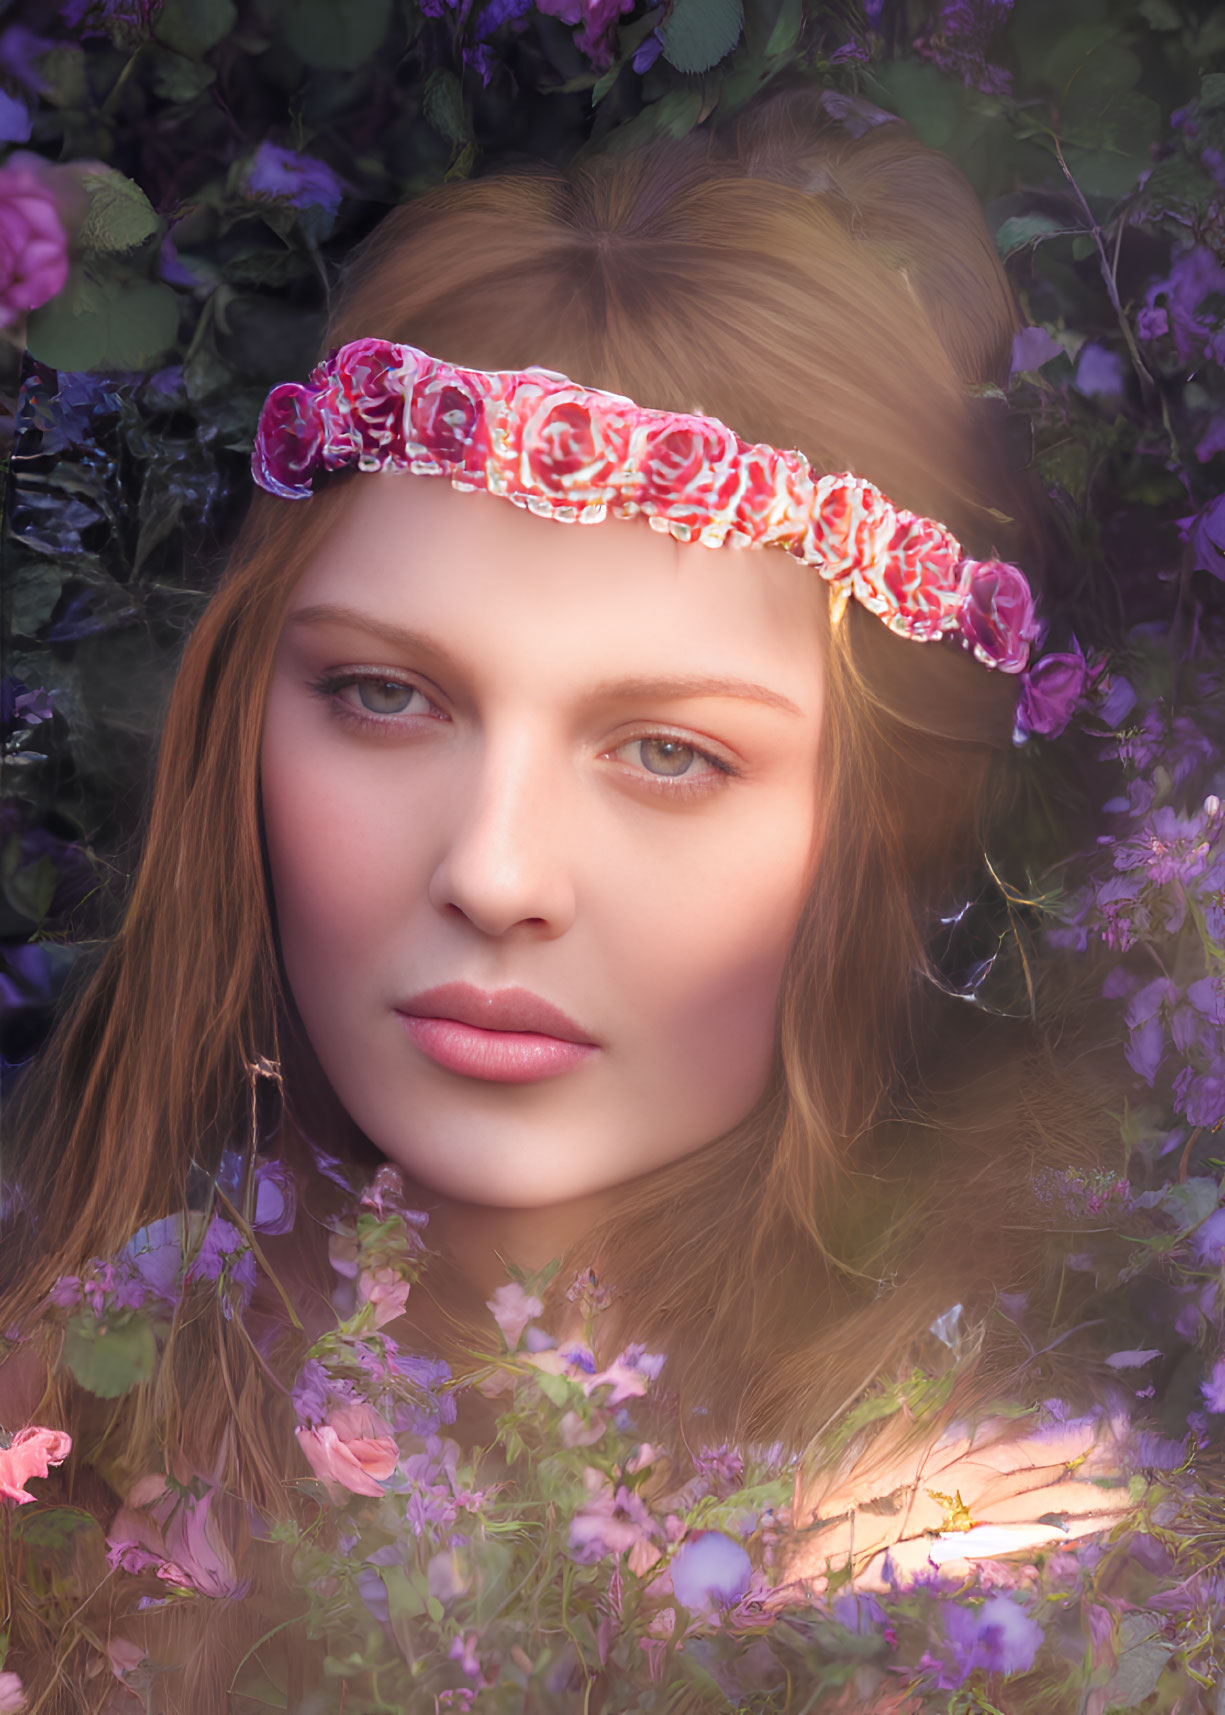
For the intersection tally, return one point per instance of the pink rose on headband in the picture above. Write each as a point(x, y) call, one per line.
point(448, 421)
point(997, 613)
point(568, 450)
point(688, 470)
point(33, 242)
point(31, 1453)
point(364, 405)
point(354, 1450)
point(916, 576)
point(288, 441)
point(850, 528)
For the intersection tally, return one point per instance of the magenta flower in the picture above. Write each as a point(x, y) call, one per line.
point(997, 614)
point(33, 243)
point(598, 19)
point(167, 1528)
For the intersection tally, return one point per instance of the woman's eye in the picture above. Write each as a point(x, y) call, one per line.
point(370, 700)
point(384, 696)
point(674, 759)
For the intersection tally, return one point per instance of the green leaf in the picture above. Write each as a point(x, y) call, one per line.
point(556, 1389)
point(120, 215)
point(442, 103)
point(698, 33)
point(110, 1361)
point(929, 102)
point(434, 1609)
point(786, 31)
point(603, 84)
point(101, 321)
point(336, 34)
point(193, 27)
point(177, 78)
point(31, 889)
point(1021, 230)
point(1160, 14)
point(51, 1527)
point(1212, 91)
point(34, 592)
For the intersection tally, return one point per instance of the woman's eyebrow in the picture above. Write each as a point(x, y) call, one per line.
point(612, 690)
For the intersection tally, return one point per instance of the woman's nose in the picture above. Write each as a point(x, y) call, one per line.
point(505, 862)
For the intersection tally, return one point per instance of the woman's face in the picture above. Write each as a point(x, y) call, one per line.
point(532, 764)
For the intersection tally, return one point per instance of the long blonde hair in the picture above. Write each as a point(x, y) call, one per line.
point(813, 289)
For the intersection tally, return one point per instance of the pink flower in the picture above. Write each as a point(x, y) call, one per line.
point(997, 613)
point(630, 1374)
point(31, 1454)
point(33, 243)
point(513, 1309)
point(354, 1451)
point(613, 1522)
point(170, 1530)
point(12, 1697)
point(386, 1290)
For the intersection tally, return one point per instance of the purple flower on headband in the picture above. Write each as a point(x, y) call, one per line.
point(997, 614)
point(1050, 692)
point(289, 441)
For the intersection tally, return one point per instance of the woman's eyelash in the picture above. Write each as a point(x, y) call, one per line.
point(329, 686)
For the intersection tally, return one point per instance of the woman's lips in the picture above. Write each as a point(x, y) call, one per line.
point(510, 1036)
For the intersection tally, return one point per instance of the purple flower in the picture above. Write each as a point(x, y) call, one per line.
point(1206, 530)
point(1200, 1096)
point(1152, 323)
point(15, 121)
point(647, 52)
point(710, 1571)
point(959, 43)
point(1172, 847)
point(1050, 692)
point(1032, 347)
point(598, 19)
point(1212, 441)
point(299, 179)
point(224, 1254)
point(1194, 276)
point(1213, 1389)
point(1208, 1240)
point(19, 48)
point(1100, 373)
point(998, 1636)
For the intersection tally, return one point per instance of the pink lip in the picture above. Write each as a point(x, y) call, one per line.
point(509, 1036)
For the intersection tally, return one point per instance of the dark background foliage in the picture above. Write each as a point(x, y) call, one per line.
point(238, 148)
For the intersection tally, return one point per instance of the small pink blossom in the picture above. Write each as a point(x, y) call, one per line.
point(12, 1697)
point(33, 242)
point(630, 1374)
point(612, 1522)
point(513, 1309)
point(354, 1451)
point(31, 1454)
point(386, 1290)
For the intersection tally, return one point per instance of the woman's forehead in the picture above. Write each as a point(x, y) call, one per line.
point(417, 554)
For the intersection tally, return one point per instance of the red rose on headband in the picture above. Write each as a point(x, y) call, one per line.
point(566, 450)
point(448, 420)
point(849, 530)
point(366, 404)
point(915, 579)
point(289, 441)
point(687, 471)
point(996, 613)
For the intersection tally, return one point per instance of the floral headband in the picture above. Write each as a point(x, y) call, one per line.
point(576, 453)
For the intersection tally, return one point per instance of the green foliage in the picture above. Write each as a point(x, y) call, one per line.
point(328, 34)
point(110, 1360)
point(120, 215)
point(104, 321)
point(194, 27)
point(698, 33)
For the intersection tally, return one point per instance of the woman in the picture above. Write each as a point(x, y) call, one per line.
point(436, 773)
